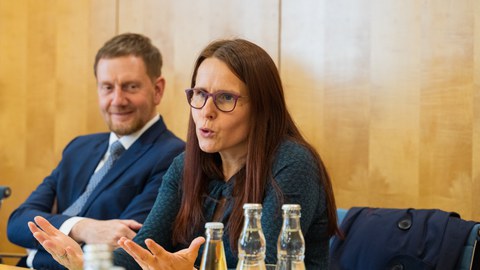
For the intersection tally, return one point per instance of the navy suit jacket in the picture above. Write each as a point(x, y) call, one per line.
point(386, 238)
point(127, 191)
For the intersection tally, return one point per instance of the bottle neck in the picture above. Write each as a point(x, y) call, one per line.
point(253, 222)
point(214, 234)
point(97, 257)
point(291, 222)
point(291, 244)
point(252, 245)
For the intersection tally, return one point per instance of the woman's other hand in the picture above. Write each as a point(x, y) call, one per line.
point(63, 248)
point(156, 257)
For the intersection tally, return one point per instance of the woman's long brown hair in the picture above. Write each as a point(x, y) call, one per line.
point(271, 124)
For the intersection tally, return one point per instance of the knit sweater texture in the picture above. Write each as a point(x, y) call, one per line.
point(295, 173)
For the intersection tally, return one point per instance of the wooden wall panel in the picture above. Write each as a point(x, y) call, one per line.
point(476, 115)
point(324, 66)
point(40, 96)
point(388, 91)
point(102, 26)
point(305, 90)
point(446, 106)
point(346, 101)
point(13, 103)
point(13, 26)
point(47, 92)
point(392, 97)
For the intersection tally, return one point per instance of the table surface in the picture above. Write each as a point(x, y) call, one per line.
point(9, 267)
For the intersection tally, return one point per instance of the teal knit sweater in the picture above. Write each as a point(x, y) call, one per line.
point(296, 175)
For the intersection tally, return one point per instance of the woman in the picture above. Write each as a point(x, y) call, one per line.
point(242, 147)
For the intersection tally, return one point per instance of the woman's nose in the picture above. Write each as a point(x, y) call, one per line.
point(209, 110)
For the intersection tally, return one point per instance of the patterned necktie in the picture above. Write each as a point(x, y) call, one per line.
point(116, 149)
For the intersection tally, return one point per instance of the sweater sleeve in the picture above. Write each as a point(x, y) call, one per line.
point(158, 225)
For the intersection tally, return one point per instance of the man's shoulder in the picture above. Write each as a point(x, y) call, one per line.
point(160, 134)
point(87, 141)
point(91, 138)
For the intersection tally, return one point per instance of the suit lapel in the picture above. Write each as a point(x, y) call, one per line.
point(128, 158)
point(87, 170)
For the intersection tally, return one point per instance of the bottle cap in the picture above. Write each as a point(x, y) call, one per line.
point(291, 207)
point(252, 206)
point(95, 256)
point(213, 225)
point(97, 248)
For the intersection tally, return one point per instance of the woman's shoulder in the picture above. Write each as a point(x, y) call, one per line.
point(295, 169)
point(290, 151)
point(179, 159)
point(176, 167)
point(294, 156)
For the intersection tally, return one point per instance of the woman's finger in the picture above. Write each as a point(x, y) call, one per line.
point(139, 251)
point(197, 242)
point(45, 225)
point(128, 250)
point(33, 227)
point(194, 247)
point(54, 250)
point(155, 248)
point(131, 248)
point(40, 236)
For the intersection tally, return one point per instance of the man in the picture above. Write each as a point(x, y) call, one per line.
point(96, 194)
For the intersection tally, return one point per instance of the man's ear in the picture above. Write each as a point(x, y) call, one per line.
point(159, 85)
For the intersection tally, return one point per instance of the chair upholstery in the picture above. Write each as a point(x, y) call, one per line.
point(341, 213)
point(467, 261)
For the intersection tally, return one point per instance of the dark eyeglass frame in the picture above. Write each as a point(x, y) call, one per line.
point(189, 93)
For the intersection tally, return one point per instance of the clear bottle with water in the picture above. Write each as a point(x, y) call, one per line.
point(98, 257)
point(291, 244)
point(251, 244)
point(213, 257)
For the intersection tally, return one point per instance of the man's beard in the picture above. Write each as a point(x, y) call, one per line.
point(124, 129)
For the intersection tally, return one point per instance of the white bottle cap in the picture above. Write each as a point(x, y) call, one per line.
point(291, 207)
point(97, 248)
point(252, 206)
point(213, 225)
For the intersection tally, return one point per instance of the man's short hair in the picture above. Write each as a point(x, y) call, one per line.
point(132, 44)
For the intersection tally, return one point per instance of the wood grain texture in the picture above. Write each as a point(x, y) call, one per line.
point(446, 106)
point(47, 88)
point(14, 23)
point(393, 105)
point(476, 117)
point(387, 91)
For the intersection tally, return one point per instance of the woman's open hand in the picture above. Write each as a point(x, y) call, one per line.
point(63, 248)
point(156, 257)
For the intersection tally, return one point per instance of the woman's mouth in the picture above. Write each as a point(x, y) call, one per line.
point(207, 133)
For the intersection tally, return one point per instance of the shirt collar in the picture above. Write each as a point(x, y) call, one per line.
point(128, 140)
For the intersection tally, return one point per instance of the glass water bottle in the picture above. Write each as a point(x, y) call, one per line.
point(291, 244)
point(98, 257)
point(251, 244)
point(213, 257)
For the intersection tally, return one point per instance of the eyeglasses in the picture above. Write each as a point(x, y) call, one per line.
point(224, 101)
